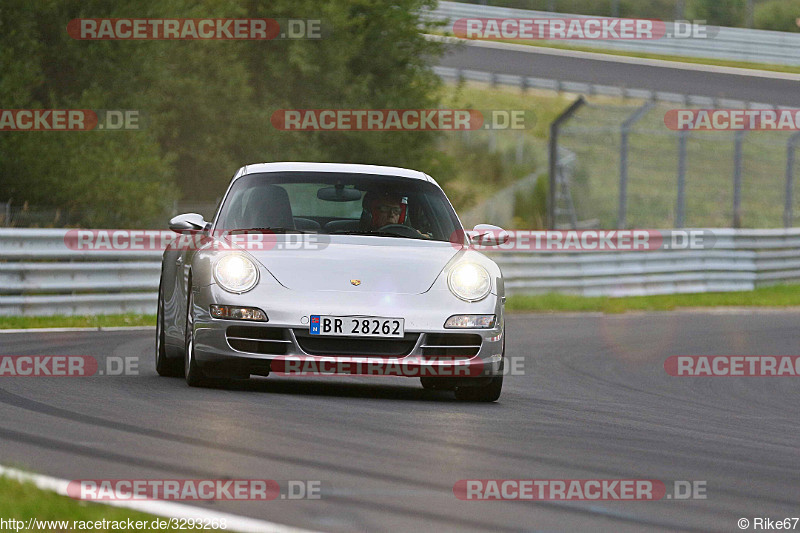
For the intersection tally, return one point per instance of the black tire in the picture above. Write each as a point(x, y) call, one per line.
point(436, 384)
point(166, 367)
point(192, 373)
point(486, 393)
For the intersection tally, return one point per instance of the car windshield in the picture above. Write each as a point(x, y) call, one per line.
point(339, 203)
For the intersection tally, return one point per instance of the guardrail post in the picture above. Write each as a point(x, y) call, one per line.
point(680, 8)
point(7, 219)
point(680, 207)
point(787, 205)
point(623, 162)
point(737, 178)
point(553, 158)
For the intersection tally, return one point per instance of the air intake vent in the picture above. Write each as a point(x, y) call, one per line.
point(260, 340)
point(451, 345)
point(317, 345)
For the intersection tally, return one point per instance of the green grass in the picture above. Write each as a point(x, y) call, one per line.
point(22, 501)
point(88, 321)
point(594, 135)
point(481, 171)
point(775, 296)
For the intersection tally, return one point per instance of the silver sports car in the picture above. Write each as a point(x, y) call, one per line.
point(317, 269)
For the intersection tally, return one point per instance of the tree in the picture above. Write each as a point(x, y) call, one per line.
point(718, 12)
point(207, 103)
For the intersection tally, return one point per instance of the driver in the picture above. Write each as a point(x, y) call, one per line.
point(385, 209)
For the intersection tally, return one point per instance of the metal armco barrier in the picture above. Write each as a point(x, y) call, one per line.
point(577, 87)
point(40, 276)
point(739, 44)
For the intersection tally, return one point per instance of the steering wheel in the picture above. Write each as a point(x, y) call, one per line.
point(402, 230)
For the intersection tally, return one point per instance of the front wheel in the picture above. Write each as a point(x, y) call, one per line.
point(194, 376)
point(164, 366)
point(486, 393)
point(437, 383)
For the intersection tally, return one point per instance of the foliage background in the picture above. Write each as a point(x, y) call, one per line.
point(207, 104)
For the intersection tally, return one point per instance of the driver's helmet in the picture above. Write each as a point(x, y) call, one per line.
point(374, 201)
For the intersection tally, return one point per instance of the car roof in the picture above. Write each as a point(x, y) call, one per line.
point(332, 167)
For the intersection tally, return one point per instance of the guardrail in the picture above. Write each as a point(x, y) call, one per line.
point(740, 260)
point(577, 87)
point(738, 44)
point(39, 275)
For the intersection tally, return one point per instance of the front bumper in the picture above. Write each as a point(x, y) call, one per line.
point(240, 348)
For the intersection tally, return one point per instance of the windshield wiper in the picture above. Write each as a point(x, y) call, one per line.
point(272, 229)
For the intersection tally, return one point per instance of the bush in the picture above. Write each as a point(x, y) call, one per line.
point(717, 12)
point(778, 15)
point(208, 104)
point(530, 207)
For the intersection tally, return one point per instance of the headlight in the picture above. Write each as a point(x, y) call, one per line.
point(236, 273)
point(469, 281)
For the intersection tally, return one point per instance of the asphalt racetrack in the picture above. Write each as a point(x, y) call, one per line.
point(594, 402)
point(700, 80)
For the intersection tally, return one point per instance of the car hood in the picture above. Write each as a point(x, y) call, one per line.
point(381, 266)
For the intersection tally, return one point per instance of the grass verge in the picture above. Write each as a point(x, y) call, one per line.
point(593, 134)
point(88, 321)
point(23, 501)
point(775, 296)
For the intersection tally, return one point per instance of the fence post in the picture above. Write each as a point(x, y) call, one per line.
point(750, 17)
point(787, 205)
point(737, 178)
point(680, 8)
point(553, 158)
point(7, 219)
point(623, 161)
point(680, 207)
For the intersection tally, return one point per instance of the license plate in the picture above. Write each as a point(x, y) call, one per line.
point(356, 326)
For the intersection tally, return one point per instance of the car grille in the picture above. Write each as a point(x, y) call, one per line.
point(270, 341)
point(458, 345)
point(317, 345)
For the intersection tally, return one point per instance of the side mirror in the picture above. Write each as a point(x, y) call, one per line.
point(187, 222)
point(489, 235)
